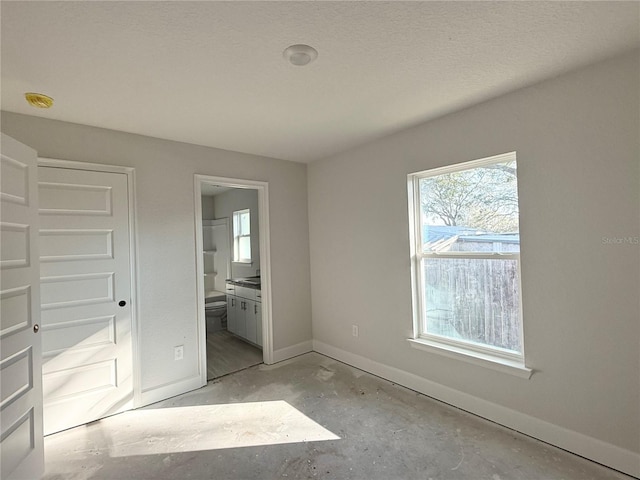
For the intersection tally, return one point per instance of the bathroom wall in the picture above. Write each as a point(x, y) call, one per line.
point(207, 207)
point(224, 205)
point(166, 236)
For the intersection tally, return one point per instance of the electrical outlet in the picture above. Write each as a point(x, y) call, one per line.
point(178, 352)
point(354, 330)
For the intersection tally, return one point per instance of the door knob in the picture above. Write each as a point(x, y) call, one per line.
point(122, 303)
point(36, 328)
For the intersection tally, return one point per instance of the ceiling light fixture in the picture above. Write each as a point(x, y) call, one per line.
point(300, 55)
point(38, 100)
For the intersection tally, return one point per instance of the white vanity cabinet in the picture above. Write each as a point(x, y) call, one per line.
point(244, 313)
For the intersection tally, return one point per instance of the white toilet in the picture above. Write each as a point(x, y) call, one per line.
point(216, 315)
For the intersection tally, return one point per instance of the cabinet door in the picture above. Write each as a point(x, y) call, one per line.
point(233, 311)
point(241, 324)
point(258, 311)
point(250, 317)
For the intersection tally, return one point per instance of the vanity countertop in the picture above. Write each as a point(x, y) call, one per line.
point(249, 282)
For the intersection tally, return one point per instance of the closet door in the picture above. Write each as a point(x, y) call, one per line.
point(85, 289)
point(21, 441)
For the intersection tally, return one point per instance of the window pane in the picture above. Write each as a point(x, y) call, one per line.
point(244, 247)
point(241, 223)
point(474, 210)
point(474, 300)
point(245, 223)
point(236, 224)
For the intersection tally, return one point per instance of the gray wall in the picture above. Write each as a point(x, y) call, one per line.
point(576, 137)
point(166, 230)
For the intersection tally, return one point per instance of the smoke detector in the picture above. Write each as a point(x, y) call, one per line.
point(38, 100)
point(300, 55)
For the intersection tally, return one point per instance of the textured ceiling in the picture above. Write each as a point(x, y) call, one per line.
point(212, 73)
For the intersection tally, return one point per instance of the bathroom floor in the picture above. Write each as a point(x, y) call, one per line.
point(227, 354)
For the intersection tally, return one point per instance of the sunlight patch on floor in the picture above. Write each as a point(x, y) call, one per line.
point(210, 427)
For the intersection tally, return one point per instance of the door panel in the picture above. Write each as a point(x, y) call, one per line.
point(74, 199)
point(85, 272)
point(79, 334)
point(60, 245)
point(21, 443)
point(74, 290)
point(15, 238)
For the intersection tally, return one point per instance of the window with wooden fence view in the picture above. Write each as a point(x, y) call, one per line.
point(467, 255)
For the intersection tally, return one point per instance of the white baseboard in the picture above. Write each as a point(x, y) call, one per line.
point(292, 351)
point(601, 452)
point(169, 390)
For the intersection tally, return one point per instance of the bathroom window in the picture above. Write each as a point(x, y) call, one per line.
point(242, 236)
point(464, 222)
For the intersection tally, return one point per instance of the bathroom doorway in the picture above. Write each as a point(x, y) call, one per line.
point(233, 274)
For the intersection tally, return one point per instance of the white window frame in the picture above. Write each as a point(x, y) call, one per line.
point(492, 357)
point(237, 236)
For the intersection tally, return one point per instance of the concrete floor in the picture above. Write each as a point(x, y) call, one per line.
point(309, 417)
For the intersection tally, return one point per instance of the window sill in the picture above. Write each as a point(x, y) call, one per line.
point(489, 361)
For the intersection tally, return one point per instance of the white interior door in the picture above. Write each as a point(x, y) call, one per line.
point(21, 443)
point(85, 296)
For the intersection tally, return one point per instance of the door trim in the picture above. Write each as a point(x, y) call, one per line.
point(265, 263)
point(133, 248)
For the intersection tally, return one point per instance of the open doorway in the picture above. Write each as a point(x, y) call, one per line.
point(233, 274)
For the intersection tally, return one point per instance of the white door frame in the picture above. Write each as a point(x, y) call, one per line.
point(265, 263)
point(133, 248)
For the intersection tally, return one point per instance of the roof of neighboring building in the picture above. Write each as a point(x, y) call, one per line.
point(438, 233)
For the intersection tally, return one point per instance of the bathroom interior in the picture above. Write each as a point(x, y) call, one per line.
point(231, 258)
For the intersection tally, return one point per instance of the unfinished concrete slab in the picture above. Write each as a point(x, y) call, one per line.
point(309, 417)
